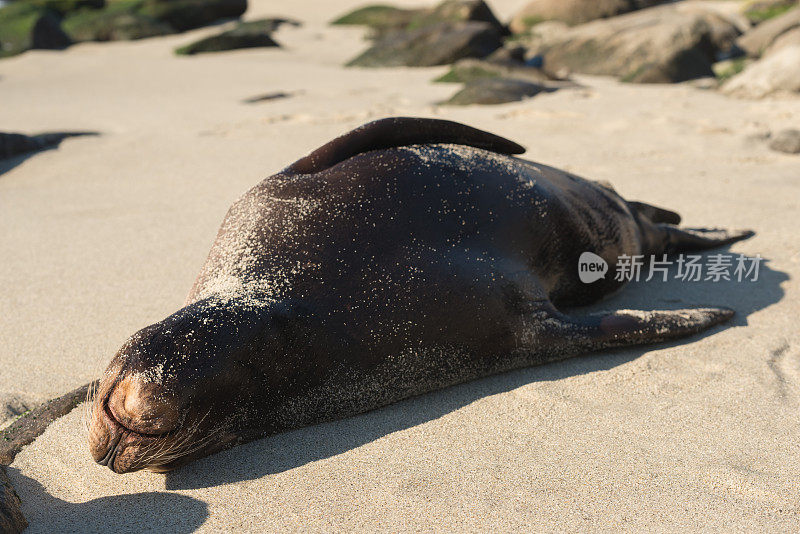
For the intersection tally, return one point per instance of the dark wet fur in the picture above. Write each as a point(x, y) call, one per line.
point(406, 256)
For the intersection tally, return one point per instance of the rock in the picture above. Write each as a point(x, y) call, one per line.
point(62, 7)
point(756, 41)
point(774, 74)
point(705, 84)
point(725, 28)
point(729, 68)
point(494, 91)
point(255, 34)
point(380, 18)
point(120, 21)
point(30, 426)
point(267, 97)
point(435, 44)
point(503, 76)
point(189, 14)
point(458, 11)
point(568, 11)
point(658, 45)
point(11, 519)
point(790, 38)
point(24, 26)
point(467, 70)
point(573, 11)
point(508, 55)
point(13, 144)
point(544, 32)
point(386, 18)
point(787, 141)
point(761, 10)
point(138, 19)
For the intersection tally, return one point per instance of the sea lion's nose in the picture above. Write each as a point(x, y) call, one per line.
point(143, 406)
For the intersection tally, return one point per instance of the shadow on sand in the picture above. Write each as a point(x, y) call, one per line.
point(118, 513)
point(293, 449)
point(25, 147)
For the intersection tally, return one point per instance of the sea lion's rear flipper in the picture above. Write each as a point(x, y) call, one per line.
point(400, 131)
point(655, 214)
point(560, 336)
point(689, 239)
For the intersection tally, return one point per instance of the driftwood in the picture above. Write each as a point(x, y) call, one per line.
point(20, 433)
point(11, 518)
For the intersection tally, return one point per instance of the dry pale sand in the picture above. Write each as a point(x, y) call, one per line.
point(104, 235)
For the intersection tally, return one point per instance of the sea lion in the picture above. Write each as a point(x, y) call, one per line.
point(403, 257)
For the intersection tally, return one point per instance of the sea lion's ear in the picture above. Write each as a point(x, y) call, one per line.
point(400, 131)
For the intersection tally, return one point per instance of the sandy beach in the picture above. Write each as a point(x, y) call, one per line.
point(105, 235)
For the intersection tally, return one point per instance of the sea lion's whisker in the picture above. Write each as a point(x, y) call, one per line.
point(87, 403)
point(179, 449)
point(190, 432)
point(195, 447)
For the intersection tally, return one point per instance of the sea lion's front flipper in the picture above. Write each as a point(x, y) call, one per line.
point(400, 131)
point(560, 336)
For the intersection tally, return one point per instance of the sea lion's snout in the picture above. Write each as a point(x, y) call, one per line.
point(143, 407)
point(131, 421)
point(158, 403)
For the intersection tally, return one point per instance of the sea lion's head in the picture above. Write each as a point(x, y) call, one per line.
point(182, 388)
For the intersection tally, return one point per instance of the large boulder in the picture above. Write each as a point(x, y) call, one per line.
point(11, 519)
point(189, 14)
point(503, 76)
point(62, 7)
point(119, 21)
point(458, 11)
point(658, 45)
point(469, 69)
point(756, 41)
point(435, 44)
point(254, 34)
point(386, 18)
point(378, 17)
point(137, 19)
point(774, 74)
point(790, 38)
point(573, 11)
point(508, 62)
point(25, 26)
point(757, 11)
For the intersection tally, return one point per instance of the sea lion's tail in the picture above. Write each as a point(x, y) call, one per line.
point(399, 131)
